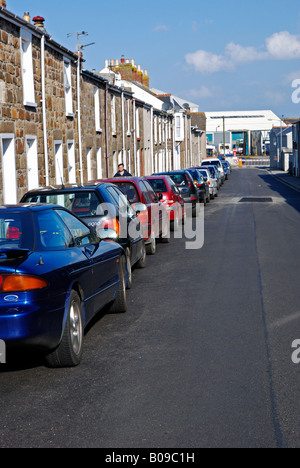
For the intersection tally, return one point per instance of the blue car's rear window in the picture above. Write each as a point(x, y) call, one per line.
point(16, 230)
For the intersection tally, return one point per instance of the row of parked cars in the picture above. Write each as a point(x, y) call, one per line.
point(68, 252)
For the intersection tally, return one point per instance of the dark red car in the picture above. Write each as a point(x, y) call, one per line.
point(151, 211)
point(169, 194)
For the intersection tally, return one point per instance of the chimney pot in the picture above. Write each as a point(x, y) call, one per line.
point(127, 61)
point(122, 59)
point(39, 22)
point(106, 63)
point(3, 3)
point(117, 63)
point(132, 63)
point(26, 16)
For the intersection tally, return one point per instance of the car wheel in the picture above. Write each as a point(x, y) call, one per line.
point(142, 261)
point(119, 305)
point(129, 270)
point(69, 352)
point(151, 248)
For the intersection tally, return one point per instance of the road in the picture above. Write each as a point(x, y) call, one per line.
point(202, 358)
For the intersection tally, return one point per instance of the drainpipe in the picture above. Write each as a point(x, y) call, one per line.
point(44, 109)
point(106, 131)
point(79, 118)
point(134, 136)
point(151, 139)
point(123, 127)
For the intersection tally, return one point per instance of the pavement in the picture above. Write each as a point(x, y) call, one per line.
point(286, 178)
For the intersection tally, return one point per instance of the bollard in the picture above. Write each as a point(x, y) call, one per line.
point(240, 162)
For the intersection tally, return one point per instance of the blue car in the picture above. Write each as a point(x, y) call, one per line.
point(55, 275)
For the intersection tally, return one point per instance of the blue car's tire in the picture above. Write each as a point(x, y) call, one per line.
point(69, 351)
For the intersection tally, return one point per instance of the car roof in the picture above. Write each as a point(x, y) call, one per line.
point(28, 207)
point(66, 189)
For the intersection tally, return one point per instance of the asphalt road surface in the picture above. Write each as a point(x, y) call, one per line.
point(202, 358)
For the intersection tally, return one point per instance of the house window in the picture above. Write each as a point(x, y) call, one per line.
point(128, 117)
point(155, 130)
point(97, 109)
point(179, 128)
point(89, 163)
point(27, 69)
point(99, 163)
point(32, 162)
point(59, 165)
point(137, 123)
point(159, 130)
point(68, 88)
point(113, 115)
point(9, 169)
point(71, 162)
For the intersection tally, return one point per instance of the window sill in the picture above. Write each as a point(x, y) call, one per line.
point(30, 104)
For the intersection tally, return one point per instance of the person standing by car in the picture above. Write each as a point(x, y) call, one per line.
point(122, 171)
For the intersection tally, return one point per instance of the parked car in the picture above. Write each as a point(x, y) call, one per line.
point(202, 185)
point(228, 165)
point(169, 194)
point(214, 173)
point(226, 170)
point(55, 276)
point(100, 206)
point(152, 212)
point(212, 183)
point(185, 184)
point(214, 162)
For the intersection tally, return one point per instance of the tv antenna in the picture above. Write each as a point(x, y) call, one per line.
point(77, 34)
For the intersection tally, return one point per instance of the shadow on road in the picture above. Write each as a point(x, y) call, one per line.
point(291, 196)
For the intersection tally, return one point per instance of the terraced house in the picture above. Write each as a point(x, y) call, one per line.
point(60, 123)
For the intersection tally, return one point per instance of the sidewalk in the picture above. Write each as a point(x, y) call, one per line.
point(286, 178)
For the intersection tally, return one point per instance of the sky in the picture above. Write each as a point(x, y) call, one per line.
point(232, 55)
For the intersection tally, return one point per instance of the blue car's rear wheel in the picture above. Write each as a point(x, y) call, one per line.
point(69, 352)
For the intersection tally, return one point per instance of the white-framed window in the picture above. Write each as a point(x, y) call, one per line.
point(113, 114)
point(137, 122)
point(115, 162)
point(8, 169)
point(179, 127)
point(159, 130)
point(27, 69)
point(59, 162)
point(155, 129)
point(89, 163)
point(68, 87)
point(97, 109)
point(128, 117)
point(99, 163)
point(129, 161)
point(71, 162)
point(32, 162)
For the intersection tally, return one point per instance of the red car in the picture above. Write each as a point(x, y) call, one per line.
point(151, 211)
point(171, 198)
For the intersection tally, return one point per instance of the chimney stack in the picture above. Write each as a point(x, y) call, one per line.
point(3, 3)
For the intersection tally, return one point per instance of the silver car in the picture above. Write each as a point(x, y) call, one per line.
point(213, 184)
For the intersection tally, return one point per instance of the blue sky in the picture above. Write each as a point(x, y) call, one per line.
point(222, 55)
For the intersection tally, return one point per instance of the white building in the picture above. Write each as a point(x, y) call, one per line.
point(246, 126)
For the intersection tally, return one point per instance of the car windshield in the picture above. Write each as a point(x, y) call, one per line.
point(158, 185)
point(16, 230)
point(82, 204)
point(204, 173)
point(129, 191)
point(179, 179)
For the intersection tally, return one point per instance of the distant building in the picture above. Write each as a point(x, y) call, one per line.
point(249, 128)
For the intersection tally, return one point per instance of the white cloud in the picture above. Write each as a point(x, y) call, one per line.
point(202, 93)
point(283, 46)
point(207, 62)
point(279, 46)
point(161, 27)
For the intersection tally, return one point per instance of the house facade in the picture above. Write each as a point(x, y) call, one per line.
point(62, 124)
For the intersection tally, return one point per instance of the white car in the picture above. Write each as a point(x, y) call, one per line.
point(213, 185)
point(214, 162)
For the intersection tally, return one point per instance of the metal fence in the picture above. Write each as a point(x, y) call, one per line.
point(260, 162)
